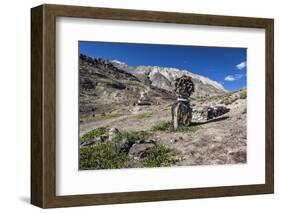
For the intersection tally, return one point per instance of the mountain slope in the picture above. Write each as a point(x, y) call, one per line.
point(109, 88)
point(104, 88)
point(163, 77)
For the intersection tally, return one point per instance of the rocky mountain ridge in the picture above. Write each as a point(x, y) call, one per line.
point(163, 77)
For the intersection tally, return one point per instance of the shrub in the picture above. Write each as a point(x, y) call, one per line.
point(167, 126)
point(159, 156)
point(133, 136)
point(93, 133)
point(102, 156)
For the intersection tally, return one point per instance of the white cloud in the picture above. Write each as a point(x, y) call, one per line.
point(233, 77)
point(229, 78)
point(241, 65)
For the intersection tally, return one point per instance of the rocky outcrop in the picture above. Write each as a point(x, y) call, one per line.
point(143, 99)
point(103, 86)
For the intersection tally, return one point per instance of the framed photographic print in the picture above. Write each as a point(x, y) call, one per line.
point(137, 106)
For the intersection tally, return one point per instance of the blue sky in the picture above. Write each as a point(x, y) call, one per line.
point(222, 64)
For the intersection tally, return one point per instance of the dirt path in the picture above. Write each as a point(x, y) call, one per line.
point(88, 126)
point(141, 118)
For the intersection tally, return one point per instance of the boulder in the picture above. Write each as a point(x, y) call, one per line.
point(216, 111)
point(139, 150)
point(200, 114)
point(142, 141)
point(113, 133)
point(143, 103)
point(125, 146)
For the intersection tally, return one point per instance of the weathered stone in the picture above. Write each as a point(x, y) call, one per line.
point(88, 142)
point(143, 99)
point(142, 141)
point(113, 134)
point(200, 114)
point(139, 150)
point(208, 112)
point(181, 109)
point(143, 103)
point(181, 114)
point(184, 86)
point(125, 146)
point(216, 111)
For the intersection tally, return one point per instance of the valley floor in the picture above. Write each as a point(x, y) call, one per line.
point(218, 141)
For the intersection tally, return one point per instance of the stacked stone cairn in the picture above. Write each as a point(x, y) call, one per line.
point(181, 109)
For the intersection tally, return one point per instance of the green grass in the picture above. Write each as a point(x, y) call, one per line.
point(102, 156)
point(234, 96)
point(133, 136)
point(113, 114)
point(94, 133)
point(162, 126)
point(229, 100)
point(159, 156)
point(144, 115)
point(166, 126)
point(107, 155)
